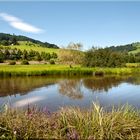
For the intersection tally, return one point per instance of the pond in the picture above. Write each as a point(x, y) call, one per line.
point(56, 92)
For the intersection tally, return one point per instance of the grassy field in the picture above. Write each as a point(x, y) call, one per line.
point(70, 123)
point(137, 50)
point(44, 69)
point(31, 46)
point(134, 65)
point(24, 45)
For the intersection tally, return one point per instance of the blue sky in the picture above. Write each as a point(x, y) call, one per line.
point(91, 23)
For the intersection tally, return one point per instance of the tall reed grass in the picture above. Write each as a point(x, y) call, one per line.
point(70, 123)
point(39, 70)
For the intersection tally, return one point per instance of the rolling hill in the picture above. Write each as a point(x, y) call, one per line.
point(130, 48)
point(27, 45)
point(8, 39)
point(137, 50)
point(32, 50)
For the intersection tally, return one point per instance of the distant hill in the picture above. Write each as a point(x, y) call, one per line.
point(131, 48)
point(7, 38)
point(137, 50)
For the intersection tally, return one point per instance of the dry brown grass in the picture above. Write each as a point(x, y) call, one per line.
point(71, 123)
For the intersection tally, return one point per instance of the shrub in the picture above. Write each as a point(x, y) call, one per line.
point(52, 62)
point(1, 61)
point(104, 58)
point(12, 63)
point(24, 62)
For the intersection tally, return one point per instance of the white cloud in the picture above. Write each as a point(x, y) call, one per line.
point(27, 101)
point(19, 24)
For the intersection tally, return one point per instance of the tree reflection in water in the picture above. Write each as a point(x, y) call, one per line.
point(134, 80)
point(71, 88)
point(67, 86)
point(23, 85)
point(99, 84)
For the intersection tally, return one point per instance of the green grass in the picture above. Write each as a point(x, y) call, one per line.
point(24, 46)
point(134, 65)
point(137, 50)
point(32, 70)
point(70, 123)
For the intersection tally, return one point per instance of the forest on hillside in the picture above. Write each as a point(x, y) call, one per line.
point(108, 58)
point(126, 48)
point(7, 39)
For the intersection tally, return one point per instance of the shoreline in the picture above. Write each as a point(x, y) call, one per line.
point(44, 70)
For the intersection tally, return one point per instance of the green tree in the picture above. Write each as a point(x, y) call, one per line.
point(13, 54)
point(54, 55)
point(25, 55)
point(45, 56)
point(4, 42)
point(104, 58)
point(31, 55)
point(1, 57)
point(14, 40)
point(19, 54)
point(7, 54)
point(38, 57)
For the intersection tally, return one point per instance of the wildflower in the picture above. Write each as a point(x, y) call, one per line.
point(15, 132)
point(45, 110)
point(73, 135)
point(29, 112)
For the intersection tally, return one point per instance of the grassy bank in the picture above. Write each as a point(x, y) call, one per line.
point(71, 123)
point(39, 70)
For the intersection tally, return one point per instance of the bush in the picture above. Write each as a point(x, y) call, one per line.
point(104, 58)
point(24, 62)
point(12, 63)
point(52, 62)
point(1, 61)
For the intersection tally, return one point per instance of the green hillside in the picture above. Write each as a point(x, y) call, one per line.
point(131, 48)
point(8, 39)
point(26, 50)
point(137, 45)
point(26, 45)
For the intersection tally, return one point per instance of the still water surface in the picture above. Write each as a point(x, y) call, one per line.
point(56, 92)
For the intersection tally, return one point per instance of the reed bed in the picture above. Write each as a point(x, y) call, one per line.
point(40, 70)
point(70, 123)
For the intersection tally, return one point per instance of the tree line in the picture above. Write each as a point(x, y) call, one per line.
point(99, 57)
point(7, 53)
point(125, 48)
point(108, 58)
point(8, 39)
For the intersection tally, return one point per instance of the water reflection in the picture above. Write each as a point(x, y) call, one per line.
point(71, 88)
point(134, 80)
point(29, 100)
point(101, 84)
point(55, 92)
point(22, 85)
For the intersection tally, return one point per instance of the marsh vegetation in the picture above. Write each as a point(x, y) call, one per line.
point(70, 123)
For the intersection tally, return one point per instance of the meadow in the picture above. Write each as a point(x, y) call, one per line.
point(134, 65)
point(24, 45)
point(136, 51)
point(70, 123)
point(46, 69)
